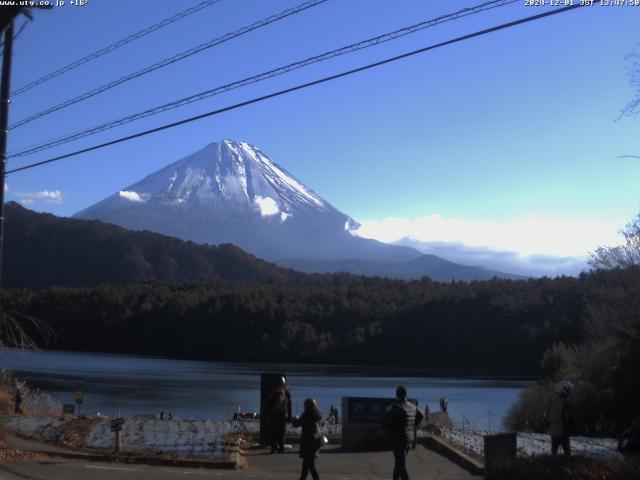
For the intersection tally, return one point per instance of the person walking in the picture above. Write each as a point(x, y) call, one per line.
point(401, 419)
point(310, 438)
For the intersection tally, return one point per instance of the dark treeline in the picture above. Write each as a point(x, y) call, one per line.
point(604, 364)
point(501, 325)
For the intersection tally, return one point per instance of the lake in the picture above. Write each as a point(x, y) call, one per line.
point(214, 390)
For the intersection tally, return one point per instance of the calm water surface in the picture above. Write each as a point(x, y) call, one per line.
point(214, 390)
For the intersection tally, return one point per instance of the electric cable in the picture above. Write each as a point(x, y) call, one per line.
point(262, 76)
point(168, 61)
point(302, 86)
point(114, 46)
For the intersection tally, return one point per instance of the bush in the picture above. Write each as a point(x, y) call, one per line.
point(528, 414)
point(550, 467)
point(34, 403)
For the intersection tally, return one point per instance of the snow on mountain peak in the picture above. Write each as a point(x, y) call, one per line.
point(227, 175)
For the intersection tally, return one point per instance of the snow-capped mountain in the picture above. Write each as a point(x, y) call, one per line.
point(231, 192)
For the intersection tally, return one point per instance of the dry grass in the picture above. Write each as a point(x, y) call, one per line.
point(571, 468)
point(9, 454)
point(34, 403)
point(73, 432)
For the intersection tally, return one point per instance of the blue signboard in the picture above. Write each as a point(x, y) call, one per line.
point(368, 409)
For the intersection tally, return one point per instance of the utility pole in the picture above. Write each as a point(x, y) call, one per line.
point(4, 126)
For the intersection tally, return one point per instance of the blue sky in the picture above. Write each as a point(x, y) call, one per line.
point(506, 144)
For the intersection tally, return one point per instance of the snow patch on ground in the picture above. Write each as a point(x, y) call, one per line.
point(193, 438)
point(38, 426)
point(532, 444)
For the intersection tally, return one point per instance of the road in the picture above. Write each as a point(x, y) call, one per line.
point(332, 465)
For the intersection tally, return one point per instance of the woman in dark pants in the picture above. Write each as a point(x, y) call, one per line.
point(310, 421)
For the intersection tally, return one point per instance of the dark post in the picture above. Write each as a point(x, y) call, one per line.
point(271, 384)
point(4, 125)
point(498, 447)
point(116, 427)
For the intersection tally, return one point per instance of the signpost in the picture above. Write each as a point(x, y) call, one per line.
point(79, 400)
point(116, 427)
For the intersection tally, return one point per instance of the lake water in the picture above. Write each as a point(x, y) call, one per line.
point(214, 390)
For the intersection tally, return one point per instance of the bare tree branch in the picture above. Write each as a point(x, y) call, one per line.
point(622, 256)
point(16, 328)
point(632, 109)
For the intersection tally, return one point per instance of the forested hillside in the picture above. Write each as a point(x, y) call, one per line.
point(43, 250)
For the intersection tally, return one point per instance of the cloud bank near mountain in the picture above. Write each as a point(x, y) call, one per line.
point(532, 245)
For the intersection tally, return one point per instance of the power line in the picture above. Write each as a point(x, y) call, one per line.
point(263, 76)
point(115, 46)
point(169, 61)
point(302, 86)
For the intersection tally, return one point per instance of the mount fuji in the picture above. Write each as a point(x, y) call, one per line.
point(231, 192)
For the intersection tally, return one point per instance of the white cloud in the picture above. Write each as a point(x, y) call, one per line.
point(284, 216)
point(131, 196)
point(6, 187)
point(266, 205)
point(49, 196)
point(532, 235)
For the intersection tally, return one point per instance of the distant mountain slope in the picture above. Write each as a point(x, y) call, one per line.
point(426, 265)
point(42, 250)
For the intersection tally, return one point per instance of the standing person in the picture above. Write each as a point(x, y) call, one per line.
point(426, 412)
point(18, 401)
point(278, 422)
point(287, 394)
point(560, 418)
point(401, 419)
point(310, 438)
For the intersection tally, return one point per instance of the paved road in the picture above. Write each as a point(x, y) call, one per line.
point(332, 465)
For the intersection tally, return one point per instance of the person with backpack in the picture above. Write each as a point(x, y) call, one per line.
point(401, 420)
point(560, 418)
point(311, 438)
